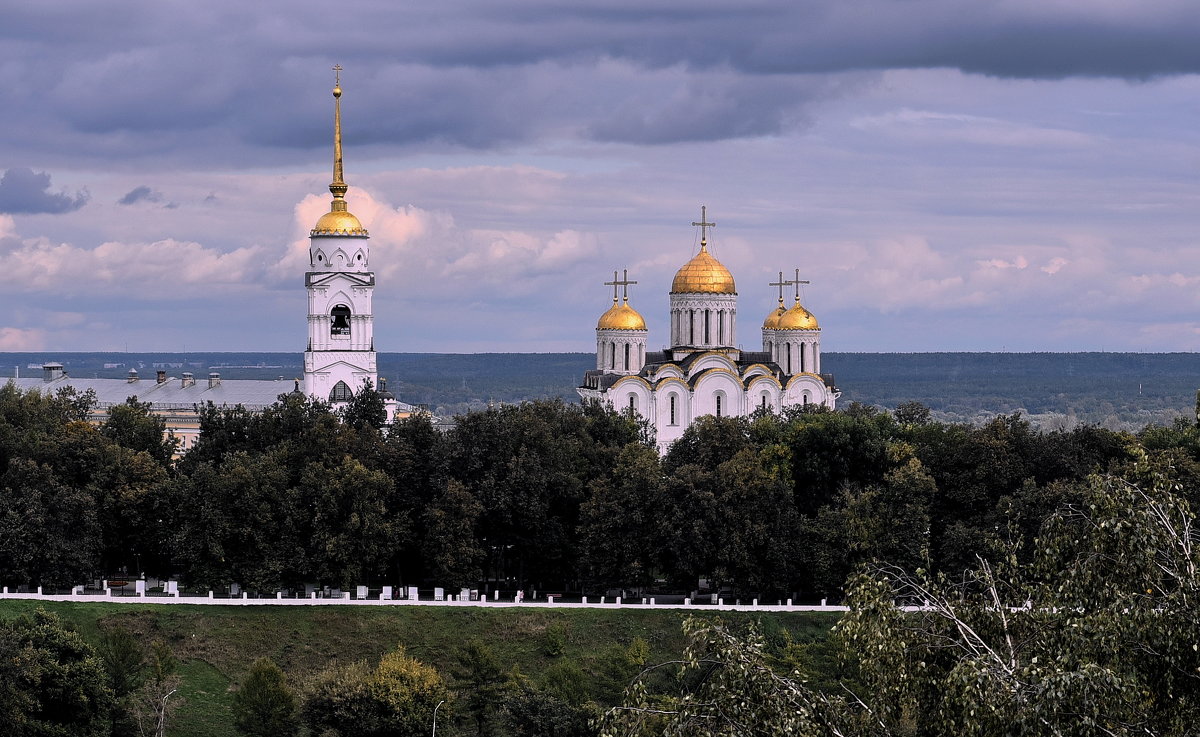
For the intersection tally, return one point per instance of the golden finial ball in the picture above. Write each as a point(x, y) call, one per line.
point(337, 91)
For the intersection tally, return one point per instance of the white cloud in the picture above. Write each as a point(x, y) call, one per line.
point(18, 339)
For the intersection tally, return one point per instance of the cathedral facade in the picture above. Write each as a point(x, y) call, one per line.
point(703, 372)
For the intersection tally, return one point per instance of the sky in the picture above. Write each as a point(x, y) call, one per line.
point(998, 175)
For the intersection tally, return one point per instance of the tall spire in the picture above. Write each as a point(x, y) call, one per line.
point(338, 221)
point(338, 186)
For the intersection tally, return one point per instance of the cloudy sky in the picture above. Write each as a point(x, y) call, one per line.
point(991, 175)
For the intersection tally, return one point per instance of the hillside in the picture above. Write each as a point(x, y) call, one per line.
point(216, 645)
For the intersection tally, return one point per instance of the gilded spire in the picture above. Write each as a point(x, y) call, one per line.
point(338, 186)
point(338, 221)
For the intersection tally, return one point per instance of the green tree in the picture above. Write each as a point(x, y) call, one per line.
point(621, 522)
point(365, 408)
point(132, 425)
point(51, 682)
point(480, 683)
point(395, 699)
point(451, 551)
point(534, 713)
point(265, 706)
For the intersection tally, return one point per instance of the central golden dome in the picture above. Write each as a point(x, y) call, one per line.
point(703, 274)
point(796, 318)
point(621, 317)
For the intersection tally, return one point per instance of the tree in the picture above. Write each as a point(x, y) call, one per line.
point(449, 547)
point(365, 409)
point(1096, 635)
point(125, 663)
point(155, 704)
point(51, 682)
point(265, 706)
point(480, 683)
point(132, 425)
point(395, 699)
point(534, 713)
point(726, 687)
point(621, 523)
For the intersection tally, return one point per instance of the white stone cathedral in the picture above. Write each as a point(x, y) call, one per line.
point(341, 342)
point(703, 372)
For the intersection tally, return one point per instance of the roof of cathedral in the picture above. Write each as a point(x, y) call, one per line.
point(797, 318)
point(338, 221)
point(621, 317)
point(703, 274)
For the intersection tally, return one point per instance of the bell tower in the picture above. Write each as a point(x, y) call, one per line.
point(341, 341)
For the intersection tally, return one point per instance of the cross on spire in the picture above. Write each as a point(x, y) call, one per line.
point(337, 75)
point(781, 284)
point(797, 281)
point(704, 225)
point(623, 282)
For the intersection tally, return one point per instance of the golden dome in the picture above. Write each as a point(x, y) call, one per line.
point(703, 274)
point(796, 318)
point(338, 223)
point(772, 321)
point(621, 317)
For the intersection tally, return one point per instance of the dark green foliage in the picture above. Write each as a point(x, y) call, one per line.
point(534, 713)
point(480, 685)
point(131, 425)
point(51, 682)
point(265, 706)
point(397, 698)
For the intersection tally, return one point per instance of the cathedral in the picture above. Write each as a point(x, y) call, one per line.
point(703, 372)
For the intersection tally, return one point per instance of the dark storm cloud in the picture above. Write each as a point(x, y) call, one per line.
point(25, 191)
point(140, 194)
point(226, 82)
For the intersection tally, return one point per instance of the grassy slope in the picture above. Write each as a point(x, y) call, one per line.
point(217, 644)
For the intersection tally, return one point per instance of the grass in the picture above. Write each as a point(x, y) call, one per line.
point(217, 644)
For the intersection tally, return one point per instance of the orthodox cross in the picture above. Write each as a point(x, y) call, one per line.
point(798, 281)
point(623, 282)
point(704, 225)
point(781, 284)
point(337, 75)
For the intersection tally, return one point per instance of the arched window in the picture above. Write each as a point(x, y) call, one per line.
point(788, 348)
point(632, 405)
point(339, 320)
point(672, 409)
point(718, 405)
point(626, 357)
point(707, 315)
point(803, 350)
point(764, 400)
point(612, 355)
point(340, 393)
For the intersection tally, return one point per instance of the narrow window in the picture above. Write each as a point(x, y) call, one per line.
point(721, 319)
point(718, 405)
point(802, 361)
point(340, 393)
point(612, 355)
point(691, 327)
point(339, 320)
point(672, 409)
point(788, 348)
point(707, 314)
point(632, 407)
point(627, 358)
point(764, 401)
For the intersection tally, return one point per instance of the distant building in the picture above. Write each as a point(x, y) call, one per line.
point(703, 372)
point(339, 358)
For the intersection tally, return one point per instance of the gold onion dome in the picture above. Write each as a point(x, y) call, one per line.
point(339, 220)
point(703, 274)
point(772, 321)
point(796, 318)
point(621, 317)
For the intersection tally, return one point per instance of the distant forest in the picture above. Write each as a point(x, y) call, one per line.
point(1119, 391)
